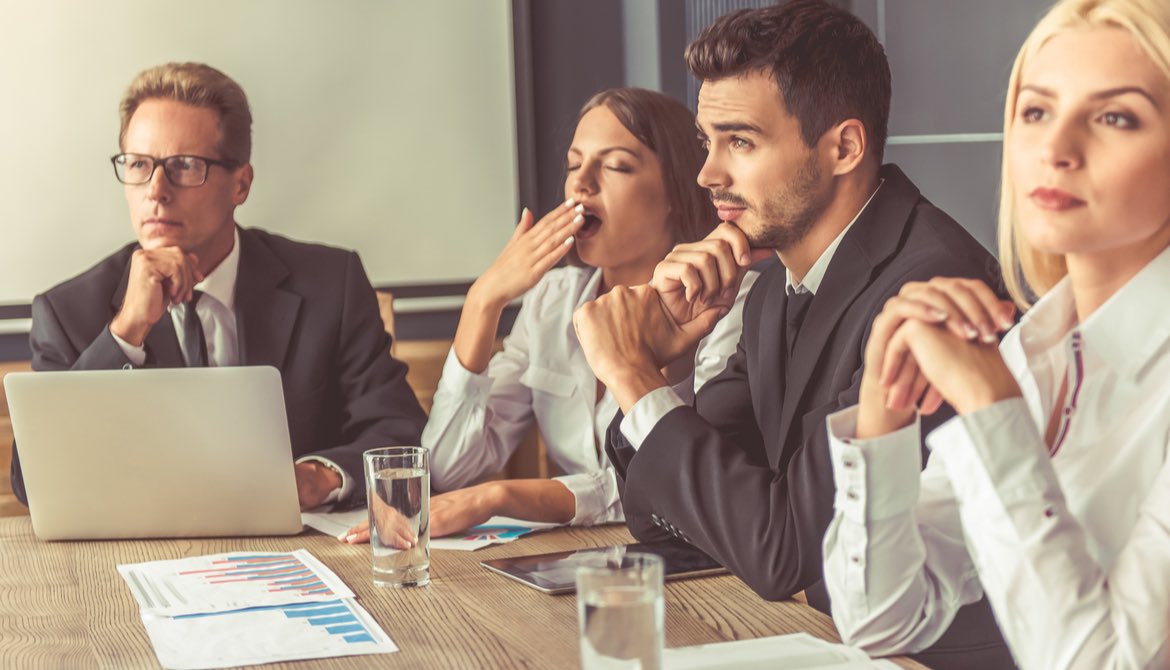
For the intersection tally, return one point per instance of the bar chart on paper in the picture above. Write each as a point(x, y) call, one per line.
point(266, 635)
point(231, 581)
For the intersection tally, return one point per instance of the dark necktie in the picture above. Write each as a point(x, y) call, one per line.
point(795, 310)
point(193, 341)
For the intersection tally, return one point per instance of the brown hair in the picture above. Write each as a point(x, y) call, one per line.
point(666, 127)
point(828, 64)
point(201, 86)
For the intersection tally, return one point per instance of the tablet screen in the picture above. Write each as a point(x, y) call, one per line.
point(556, 572)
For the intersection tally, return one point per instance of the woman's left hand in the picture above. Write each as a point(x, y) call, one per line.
point(463, 508)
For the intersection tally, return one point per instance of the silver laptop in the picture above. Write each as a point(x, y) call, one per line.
point(189, 452)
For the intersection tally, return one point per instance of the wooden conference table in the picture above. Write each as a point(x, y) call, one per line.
point(64, 605)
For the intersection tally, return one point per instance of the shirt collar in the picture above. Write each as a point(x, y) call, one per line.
point(220, 283)
point(1126, 332)
point(592, 285)
point(812, 279)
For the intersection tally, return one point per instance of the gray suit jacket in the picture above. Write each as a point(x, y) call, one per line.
point(306, 309)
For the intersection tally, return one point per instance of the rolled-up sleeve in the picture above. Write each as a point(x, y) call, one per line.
point(596, 495)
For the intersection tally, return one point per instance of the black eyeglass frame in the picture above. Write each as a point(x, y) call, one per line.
point(226, 164)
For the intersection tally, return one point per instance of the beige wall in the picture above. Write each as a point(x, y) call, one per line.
point(385, 126)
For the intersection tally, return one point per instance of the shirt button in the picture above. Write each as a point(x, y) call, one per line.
point(1049, 512)
point(850, 464)
point(856, 560)
point(851, 494)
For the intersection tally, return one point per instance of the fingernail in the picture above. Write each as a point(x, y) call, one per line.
point(988, 336)
point(350, 538)
point(524, 213)
point(579, 219)
point(938, 314)
point(970, 331)
point(568, 240)
point(744, 259)
point(569, 203)
point(580, 209)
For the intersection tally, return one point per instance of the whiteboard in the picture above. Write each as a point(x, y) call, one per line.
point(384, 126)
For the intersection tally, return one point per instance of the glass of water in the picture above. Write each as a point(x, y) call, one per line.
point(398, 489)
point(620, 610)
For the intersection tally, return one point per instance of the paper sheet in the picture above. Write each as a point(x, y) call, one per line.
point(265, 635)
point(795, 652)
point(231, 581)
point(497, 530)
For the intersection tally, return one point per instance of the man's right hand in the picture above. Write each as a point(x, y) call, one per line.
point(158, 277)
point(698, 276)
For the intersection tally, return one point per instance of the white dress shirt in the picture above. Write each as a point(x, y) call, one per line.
point(541, 376)
point(1072, 549)
point(650, 408)
point(217, 313)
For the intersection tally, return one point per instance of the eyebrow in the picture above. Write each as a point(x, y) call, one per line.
point(609, 150)
point(1099, 95)
point(732, 127)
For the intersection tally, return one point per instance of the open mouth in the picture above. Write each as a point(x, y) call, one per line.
point(590, 227)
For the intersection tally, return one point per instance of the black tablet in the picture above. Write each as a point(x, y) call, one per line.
point(556, 572)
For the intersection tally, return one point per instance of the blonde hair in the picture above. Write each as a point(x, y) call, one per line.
point(1028, 272)
point(201, 86)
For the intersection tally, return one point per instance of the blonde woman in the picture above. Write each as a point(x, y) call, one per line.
point(1050, 492)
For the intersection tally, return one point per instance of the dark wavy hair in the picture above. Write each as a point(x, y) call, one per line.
point(828, 64)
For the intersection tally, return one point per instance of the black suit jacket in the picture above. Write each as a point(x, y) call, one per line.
point(745, 473)
point(306, 309)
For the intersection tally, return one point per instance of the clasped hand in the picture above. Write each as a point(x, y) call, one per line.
point(631, 333)
point(934, 342)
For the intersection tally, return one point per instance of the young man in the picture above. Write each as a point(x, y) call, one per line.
point(196, 289)
point(793, 111)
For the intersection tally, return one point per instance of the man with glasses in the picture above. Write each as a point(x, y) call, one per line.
point(196, 289)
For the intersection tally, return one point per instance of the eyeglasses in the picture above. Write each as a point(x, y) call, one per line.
point(138, 169)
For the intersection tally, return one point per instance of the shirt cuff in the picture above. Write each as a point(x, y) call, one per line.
point(1001, 440)
point(876, 478)
point(340, 494)
point(647, 412)
point(594, 494)
point(136, 355)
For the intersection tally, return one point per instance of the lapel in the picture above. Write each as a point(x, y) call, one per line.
point(875, 237)
point(265, 313)
point(161, 344)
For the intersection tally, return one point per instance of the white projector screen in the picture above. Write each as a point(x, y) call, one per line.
point(384, 126)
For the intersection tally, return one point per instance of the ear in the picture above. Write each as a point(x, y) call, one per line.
point(243, 184)
point(848, 146)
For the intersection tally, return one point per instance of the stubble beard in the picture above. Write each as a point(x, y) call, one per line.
point(788, 215)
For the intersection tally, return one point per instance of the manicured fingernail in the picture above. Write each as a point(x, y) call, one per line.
point(970, 331)
point(524, 213)
point(350, 538)
point(988, 336)
point(580, 218)
point(569, 203)
point(580, 209)
point(568, 240)
point(938, 314)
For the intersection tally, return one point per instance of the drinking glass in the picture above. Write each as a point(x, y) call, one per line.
point(620, 611)
point(398, 489)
